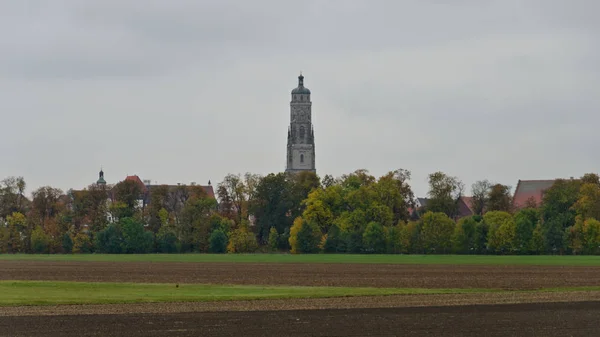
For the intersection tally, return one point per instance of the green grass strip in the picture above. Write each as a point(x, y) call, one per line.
point(54, 293)
point(543, 260)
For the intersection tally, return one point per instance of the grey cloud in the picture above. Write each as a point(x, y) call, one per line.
point(180, 91)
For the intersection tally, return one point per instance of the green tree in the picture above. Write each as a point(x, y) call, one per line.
point(504, 237)
point(67, 243)
point(554, 233)
point(272, 204)
point(481, 235)
point(591, 233)
point(538, 245)
point(16, 228)
point(127, 193)
point(494, 220)
point(480, 193)
point(334, 242)
point(374, 238)
point(575, 236)
point(12, 197)
point(109, 240)
point(305, 237)
point(241, 240)
point(437, 232)
point(136, 240)
point(558, 212)
point(166, 240)
point(444, 194)
point(39, 241)
point(218, 242)
point(273, 239)
point(464, 236)
point(499, 198)
point(82, 243)
point(525, 221)
point(588, 202)
point(393, 240)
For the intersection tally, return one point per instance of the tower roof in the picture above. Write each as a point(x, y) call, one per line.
point(101, 180)
point(301, 89)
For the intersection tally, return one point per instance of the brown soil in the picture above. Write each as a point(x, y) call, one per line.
point(395, 301)
point(353, 275)
point(549, 320)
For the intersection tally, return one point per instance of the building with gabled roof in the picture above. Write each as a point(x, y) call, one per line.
point(530, 192)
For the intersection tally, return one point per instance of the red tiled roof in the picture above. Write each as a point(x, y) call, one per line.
point(468, 202)
point(464, 207)
point(209, 191)
point(530, 189)
point(138, 181)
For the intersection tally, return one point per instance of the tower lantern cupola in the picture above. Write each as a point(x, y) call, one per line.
point(101, 180)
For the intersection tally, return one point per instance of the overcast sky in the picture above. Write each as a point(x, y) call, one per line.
point(181, 91)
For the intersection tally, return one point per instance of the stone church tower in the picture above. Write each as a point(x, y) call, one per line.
point(301, 136)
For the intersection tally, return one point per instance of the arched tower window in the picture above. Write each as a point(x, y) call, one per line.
point(302, 158)
point(302, 132)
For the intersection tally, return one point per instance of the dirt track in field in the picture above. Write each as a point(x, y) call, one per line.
point(548, 320)
point(352, 275)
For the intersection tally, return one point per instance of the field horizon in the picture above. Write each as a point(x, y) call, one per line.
point(539, 260)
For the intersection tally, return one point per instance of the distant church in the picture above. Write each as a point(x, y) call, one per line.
point(301, 136)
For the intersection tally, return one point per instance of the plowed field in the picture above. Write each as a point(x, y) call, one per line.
point(350, 275)
point(547, 320)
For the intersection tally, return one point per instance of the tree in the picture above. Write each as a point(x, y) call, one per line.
point(553, 231)
point(67, 243)
point(590, 178)
point(499, 198)
point(481, 235)
point(109, 240)
point(136, 240)
point(166, 240)
point(591, 233)
point(334, 242)
point(12, 197)
point(271, 204)
point(436, 232)
point(444, 194)
point(393, 192)
point(218, 242)
point(504, 237)
point(525, 221)
point(588, 201)
point(16, 228)
point(45, 205)
point(234, 194)
point(241, 240)
point(304, 237)
point(82, 243)
point(558, 201)
point(273, 239)
point(128, 194)
point(538, 245)
point(464, 236)
point(494, 220)
point(393, 240)
point(374, 238)
point(480, 193)
point(39, 241)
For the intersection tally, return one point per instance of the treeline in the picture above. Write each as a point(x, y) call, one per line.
point(301, 213)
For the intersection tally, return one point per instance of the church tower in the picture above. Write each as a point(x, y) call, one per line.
point(301, 136)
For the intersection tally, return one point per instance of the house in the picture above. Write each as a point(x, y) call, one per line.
point(465, 208)
point(530, 193)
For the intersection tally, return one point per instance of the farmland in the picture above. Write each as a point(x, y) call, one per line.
point(288, 295)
